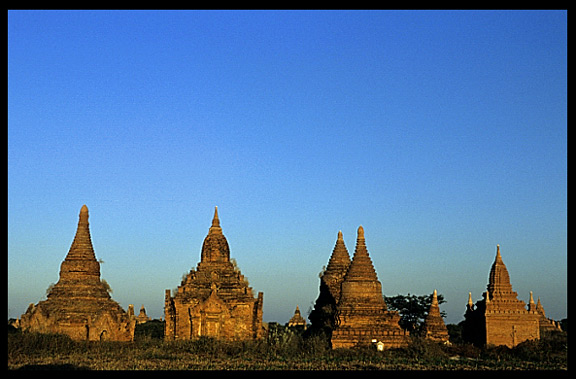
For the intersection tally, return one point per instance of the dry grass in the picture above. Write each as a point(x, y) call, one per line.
point(36, 351)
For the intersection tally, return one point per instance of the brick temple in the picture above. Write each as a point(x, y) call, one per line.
point(79, 304)
point(350, 306)
point(215, 299)
point(434, 327)
point(500, 318)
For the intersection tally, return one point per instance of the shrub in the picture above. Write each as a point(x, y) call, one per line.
point(28, 343)
point(153, 329)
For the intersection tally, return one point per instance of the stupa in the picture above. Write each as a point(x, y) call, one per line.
point(500, 318)
point(297, 320)
point(142, 316)
point(79, 304)
point(434, 327)
point(215, 300)
point(323, 316)
point(362, 315)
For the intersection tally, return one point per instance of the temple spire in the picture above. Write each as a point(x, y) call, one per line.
point(470, 302)
point(82, 245)
point(361, 267)
point(215, 228)
point(498, 256)
point(215, 247)
point(340, 259)
point(216, 220)
point(435, 298)
point(499, 279)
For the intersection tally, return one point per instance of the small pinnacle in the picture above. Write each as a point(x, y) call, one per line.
point(216, 220)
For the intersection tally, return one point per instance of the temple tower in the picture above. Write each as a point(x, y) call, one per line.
point(323, 316)
point(79, 304)
point(434, 327)
point(500, 318)
point(362, 316)
point(297, 321)
point(214, 300)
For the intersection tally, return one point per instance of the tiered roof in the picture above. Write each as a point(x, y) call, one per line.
point(500, 293)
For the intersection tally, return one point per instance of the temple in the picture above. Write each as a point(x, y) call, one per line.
point(142, 316)
point(434, 327)
point(297, 321)
point(79, 304)
point(214, 300)
point(500, 318)
point(354, 295)
point(323, 316)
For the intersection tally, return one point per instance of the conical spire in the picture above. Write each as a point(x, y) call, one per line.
point(434, 327)
point(80, 264)
point(500, 294)
point(434, 308)
point(361, 267)
point(82, 245)
point(215, 247)
point(539, 308)
point(340, 259)
point(531, 304)
point(499, 280)
point(215, 228)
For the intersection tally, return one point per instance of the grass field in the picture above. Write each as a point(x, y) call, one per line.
point(288, 352)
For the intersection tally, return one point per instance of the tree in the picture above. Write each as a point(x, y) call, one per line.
point(413, 309)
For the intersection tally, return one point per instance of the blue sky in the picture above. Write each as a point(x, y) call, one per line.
point(443, 133)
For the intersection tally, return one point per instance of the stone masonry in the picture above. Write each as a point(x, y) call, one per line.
point(215, 300)
point(79, 304)
point(354, 293)
point(500, 318)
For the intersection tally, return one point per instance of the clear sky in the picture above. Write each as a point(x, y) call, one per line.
point(442, 133)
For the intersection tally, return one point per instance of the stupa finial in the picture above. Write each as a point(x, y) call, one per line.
point(216, 220)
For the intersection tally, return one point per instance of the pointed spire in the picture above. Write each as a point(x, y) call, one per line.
point(434, 327)
point(499, 279)
point(498, 256)
point(531, 304)
point(434, 308)
point(82, 245)
point(216, 220)
point(215, 228)
point(361, 266)
point(539, 308)
point(215, 247)
point(340, 258)
point(470, 301)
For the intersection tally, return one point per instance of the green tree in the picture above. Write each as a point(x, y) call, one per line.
point(413, 309)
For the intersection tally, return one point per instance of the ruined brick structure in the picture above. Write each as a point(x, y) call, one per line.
point(500, 318)
point(434, 327)
point(79, 304)
point(214, 300)
point(142, 316)
point(353, 293)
